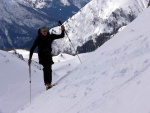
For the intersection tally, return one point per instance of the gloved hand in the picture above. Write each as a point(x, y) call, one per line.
point(62, 27)
point(29, 62)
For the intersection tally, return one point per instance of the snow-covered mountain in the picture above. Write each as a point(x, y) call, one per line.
point(94, 24)
point(114, 78)
point(97, 22)
point(18, 23)
point(20, 19)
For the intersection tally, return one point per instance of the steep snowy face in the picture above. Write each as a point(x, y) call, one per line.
point(98, 21)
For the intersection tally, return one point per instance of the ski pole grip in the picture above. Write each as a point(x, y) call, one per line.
point(59, 22)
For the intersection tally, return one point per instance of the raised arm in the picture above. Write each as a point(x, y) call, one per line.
point(55, 36)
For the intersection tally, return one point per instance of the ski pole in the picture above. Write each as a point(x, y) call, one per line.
point(30, 81)
point(71, 42)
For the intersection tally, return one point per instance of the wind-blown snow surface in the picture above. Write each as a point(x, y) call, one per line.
point(114, 78)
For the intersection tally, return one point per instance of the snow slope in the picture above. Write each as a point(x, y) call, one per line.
point(114, 78)
point(14, 82)
point(14, 78)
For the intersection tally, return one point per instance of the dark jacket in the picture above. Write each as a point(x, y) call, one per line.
point(44, 46)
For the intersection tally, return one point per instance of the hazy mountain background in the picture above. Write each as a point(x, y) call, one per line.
point(20, 19)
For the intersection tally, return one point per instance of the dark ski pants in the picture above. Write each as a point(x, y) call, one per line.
point(47, 71)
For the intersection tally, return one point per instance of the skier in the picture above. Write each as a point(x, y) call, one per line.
point(44, 40)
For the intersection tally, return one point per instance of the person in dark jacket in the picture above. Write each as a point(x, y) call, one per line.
point(43, 41)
